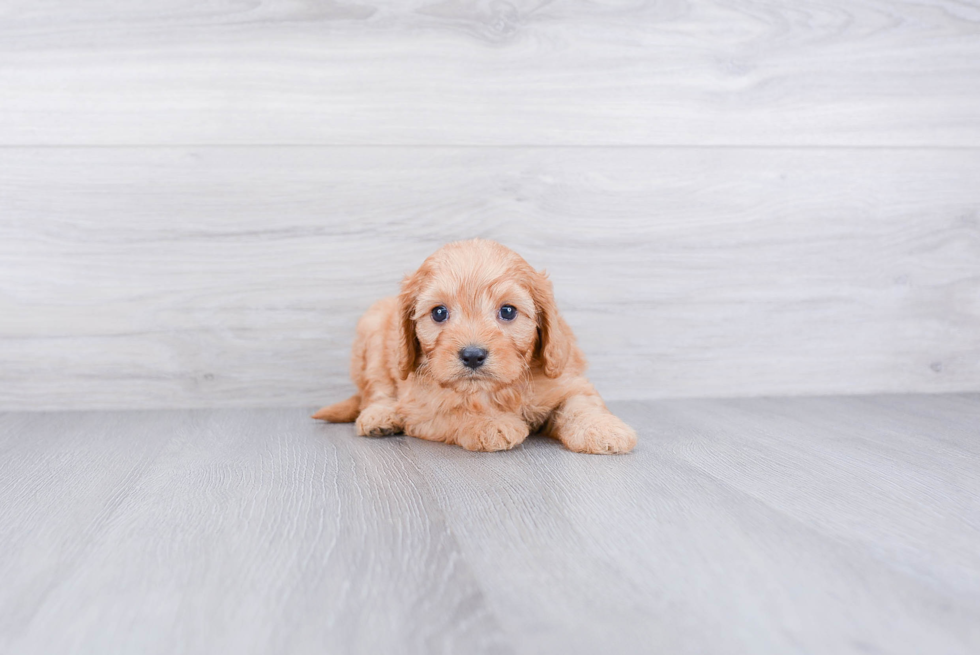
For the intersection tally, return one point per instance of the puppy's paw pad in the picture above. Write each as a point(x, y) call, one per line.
point(378, 421)
point(602, 434)
point(494, 436)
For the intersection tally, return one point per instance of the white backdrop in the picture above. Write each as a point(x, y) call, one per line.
point(198, 200)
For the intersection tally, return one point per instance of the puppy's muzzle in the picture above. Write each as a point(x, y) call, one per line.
point(473, 357)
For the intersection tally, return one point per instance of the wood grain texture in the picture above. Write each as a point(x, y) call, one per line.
point(463, 72)
point(62, 478)
point(868, 453)
point(818, 525)
point(244, 533)
point(234, 276)
point(741, 526)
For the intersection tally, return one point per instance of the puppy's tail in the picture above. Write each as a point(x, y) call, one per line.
point(343, 412)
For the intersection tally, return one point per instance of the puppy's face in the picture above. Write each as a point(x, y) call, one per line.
point(475, 331)
point(471, 313)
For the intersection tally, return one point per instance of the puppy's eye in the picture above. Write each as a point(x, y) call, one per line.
point(440, 314)
point(508, 313)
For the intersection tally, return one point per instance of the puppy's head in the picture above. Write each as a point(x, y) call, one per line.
point(477, 316)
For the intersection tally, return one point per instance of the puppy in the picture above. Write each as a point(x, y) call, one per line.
point(474, 352)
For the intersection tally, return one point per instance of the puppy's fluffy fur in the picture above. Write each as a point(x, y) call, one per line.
point(411, 378)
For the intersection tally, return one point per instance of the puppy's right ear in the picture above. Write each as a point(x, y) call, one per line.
point(555, 340)
point(409, 348)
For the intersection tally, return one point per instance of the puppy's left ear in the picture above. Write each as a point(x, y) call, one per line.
point(555, 340)
point(408, 347)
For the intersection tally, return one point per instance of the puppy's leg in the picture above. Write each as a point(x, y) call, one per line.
point(483, 433)
point(378, 420)
point(492, 433)
point(370, 370)
point(430, 428)
point(584, 425)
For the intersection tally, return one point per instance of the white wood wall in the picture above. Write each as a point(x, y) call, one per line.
point(198, 199)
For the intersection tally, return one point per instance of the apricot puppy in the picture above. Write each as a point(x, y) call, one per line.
point(474, 352)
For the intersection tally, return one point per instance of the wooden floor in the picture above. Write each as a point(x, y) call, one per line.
point(821, 525)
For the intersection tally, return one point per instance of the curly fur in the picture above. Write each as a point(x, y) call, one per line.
point(410, 378)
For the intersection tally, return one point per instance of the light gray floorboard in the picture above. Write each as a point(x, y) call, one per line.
point(819, 525)
point(247, 533)
point(459, 72)
point(732, 530)
point(62, 478)
point(133, 278)
point(922, 495)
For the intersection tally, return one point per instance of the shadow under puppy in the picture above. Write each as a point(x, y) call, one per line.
point(474, 352)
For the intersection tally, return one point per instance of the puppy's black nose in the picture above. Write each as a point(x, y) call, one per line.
point(473, 356)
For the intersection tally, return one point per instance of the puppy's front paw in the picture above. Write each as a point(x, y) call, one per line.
point(498, 434)
point(378, 421)
point(598, 433)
